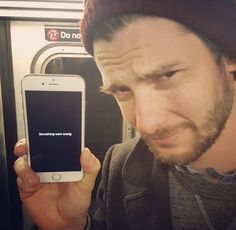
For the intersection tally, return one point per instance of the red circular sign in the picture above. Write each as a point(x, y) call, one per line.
point(53, 35)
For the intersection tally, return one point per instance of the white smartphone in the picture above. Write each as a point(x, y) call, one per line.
point(54, 115)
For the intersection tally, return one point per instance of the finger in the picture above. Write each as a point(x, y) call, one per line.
point(91, 167)
point(28, 178)
point(24, 189)
point(20, 147)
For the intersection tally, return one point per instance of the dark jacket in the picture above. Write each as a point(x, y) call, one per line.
point(134, 191)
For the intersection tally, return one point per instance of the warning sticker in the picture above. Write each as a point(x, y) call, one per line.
point(62, 34)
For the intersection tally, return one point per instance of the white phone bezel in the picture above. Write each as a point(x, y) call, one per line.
point(52, 82)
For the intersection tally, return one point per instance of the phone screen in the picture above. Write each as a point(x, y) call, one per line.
point(54, 128)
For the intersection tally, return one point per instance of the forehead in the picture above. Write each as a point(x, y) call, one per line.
point(140, 31)
point(146, 43)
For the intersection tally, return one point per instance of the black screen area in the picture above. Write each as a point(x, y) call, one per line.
point(54, 127)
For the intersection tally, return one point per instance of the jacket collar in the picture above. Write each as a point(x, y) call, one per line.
point(149, 205)
point(137, 169)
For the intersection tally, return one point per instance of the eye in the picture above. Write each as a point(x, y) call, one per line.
point(164, 80)
point(162, 77)
point(121, 93)
point(121, 89)
point(170, 73)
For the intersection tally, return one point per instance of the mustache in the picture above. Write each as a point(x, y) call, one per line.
point(161, 133)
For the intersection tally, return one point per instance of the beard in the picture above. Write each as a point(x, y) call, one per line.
point(203, 135)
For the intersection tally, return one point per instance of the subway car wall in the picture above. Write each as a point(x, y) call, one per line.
point(23, 44)
point(104, 123)
point(11, 211)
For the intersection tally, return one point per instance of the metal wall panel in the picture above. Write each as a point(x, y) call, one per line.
point(11, 217)
point(66, 9)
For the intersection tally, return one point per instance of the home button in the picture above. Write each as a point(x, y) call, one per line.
point(56, 177)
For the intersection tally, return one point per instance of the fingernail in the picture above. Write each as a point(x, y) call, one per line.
point(19, 145)
point(21, 142)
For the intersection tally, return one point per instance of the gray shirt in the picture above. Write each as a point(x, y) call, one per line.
point(201, 201)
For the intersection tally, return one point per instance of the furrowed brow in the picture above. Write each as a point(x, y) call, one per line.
point(109, 89)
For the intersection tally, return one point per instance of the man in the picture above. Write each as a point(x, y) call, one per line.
point(170, 65)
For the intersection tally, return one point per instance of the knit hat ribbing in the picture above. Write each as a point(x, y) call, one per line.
point(216, 19)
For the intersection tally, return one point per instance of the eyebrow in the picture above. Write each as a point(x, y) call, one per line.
point(105, 89)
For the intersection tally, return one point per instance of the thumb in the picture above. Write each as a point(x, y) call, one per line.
point(91, 167)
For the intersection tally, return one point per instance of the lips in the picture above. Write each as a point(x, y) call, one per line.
point(167, 140)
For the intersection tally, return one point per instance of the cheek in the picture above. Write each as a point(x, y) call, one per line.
point(191, 103)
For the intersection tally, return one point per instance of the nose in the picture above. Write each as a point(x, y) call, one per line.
point(150, 111)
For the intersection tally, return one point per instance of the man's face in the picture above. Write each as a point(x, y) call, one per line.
point(168, 87)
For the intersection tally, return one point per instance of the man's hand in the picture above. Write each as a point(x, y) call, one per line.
point(56, 206)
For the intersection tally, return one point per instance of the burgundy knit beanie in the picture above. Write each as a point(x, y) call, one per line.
point(216, 19)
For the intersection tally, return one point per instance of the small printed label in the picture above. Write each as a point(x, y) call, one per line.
point(61, 34)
